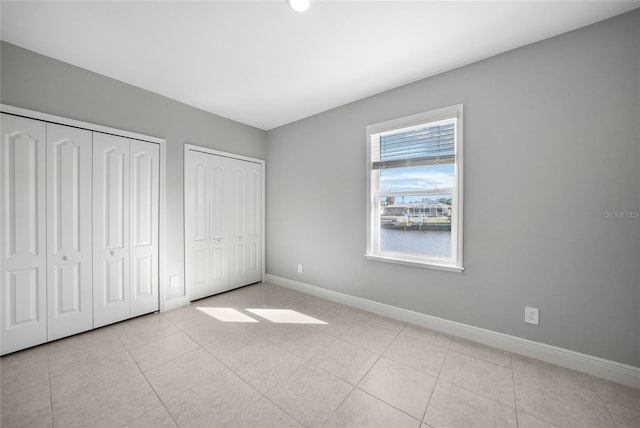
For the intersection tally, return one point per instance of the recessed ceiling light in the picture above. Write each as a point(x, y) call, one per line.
point(298, 5)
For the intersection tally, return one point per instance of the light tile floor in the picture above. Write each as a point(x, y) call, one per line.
point(247, 358)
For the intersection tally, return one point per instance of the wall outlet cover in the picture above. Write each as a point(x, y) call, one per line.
point(531, 315)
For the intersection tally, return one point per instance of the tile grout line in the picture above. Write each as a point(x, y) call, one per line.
point(299, 368)
point(276, 404)
point(202, 347)
point(236, 374)
point(602, 401)
point(515, 394)
point(50, 388)
point(363, 376)
point(475, 392)
point(353, 387)
point(330, 374)
point(169, 360)
point(147, 380)
point(397, 334)
point(535, 376)
point(424, 414)
point(388, 404)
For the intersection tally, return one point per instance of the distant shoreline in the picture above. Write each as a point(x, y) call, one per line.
point(411, 226)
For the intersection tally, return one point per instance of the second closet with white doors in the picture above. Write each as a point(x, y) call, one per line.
point(223, 221)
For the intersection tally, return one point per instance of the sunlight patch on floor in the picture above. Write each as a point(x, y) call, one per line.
point(285, 316)
point(227, 314)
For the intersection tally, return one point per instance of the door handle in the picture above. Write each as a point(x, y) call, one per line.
point(113, 253)
point(67, 258)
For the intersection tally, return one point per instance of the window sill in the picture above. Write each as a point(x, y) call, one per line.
point(449, 268)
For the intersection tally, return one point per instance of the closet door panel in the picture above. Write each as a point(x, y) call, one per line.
point(246, 258)
point(254, 223)
point(144, 177)
point(219, 195)
point(111, 293)
point(22, 234)
point(237, 204)
point(198, 225)
point(219, 263)
point(69, 246)
point(219, 170)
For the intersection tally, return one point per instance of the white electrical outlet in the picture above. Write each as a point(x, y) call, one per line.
point(531, 315)
point(299, 268)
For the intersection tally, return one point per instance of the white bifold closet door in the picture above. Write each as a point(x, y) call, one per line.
point(208, 252)
point(144, 177)
point(110, 229)
point(223, 223)
point(69, 249)
point(125, 230)
point(23, 233)
point(246, 218)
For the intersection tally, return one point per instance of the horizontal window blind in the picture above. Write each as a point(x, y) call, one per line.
point(429, 145)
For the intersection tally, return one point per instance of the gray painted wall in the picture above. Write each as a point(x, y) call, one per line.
point(552, 140)
point(39, 83)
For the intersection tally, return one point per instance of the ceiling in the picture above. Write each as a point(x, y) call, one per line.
point(260, 63)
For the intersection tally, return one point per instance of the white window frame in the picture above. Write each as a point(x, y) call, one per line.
point(453, 263)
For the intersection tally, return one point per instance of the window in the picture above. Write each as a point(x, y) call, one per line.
point(414, 209)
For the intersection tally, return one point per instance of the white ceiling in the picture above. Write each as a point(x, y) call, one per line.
point(260, 63)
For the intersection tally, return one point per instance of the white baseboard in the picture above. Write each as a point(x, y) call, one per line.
point(600, 367)
point(174, 303)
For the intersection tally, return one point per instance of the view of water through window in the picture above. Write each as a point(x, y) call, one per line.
point(416, 224)
point(435, 243)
